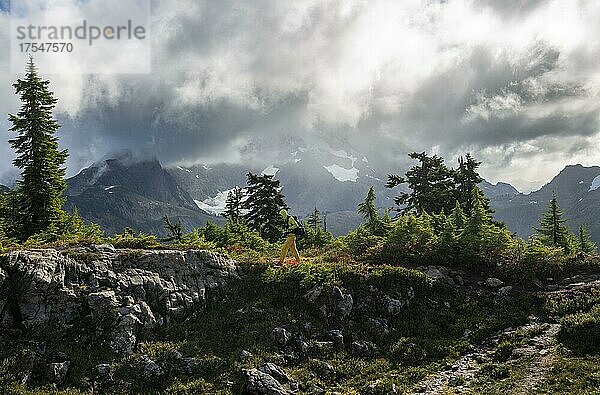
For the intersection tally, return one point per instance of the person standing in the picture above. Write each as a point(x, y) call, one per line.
point(292, 227)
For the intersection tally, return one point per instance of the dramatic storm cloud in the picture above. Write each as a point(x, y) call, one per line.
point(514, 82)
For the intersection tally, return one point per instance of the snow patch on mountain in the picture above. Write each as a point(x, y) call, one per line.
point(270, 171)
point(344, 155)
point(184, 169)
point(595, 184)
point(341, 174)
point(214, 205)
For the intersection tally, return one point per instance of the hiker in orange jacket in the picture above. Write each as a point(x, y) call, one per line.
point(290, 241)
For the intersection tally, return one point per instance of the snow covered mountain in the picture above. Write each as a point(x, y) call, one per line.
point(125, 191)
point(334, 181)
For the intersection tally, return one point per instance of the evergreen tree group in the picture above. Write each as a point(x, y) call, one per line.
point(434, 188)
point(553, 232)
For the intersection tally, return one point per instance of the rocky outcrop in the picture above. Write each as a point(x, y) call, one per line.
point(269, 379)
point(119, 292)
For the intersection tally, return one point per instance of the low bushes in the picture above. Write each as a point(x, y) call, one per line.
point(580, 332)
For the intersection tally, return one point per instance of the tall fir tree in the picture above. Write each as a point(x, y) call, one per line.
point(552, 230)
point(41, 186)
point(368, 210)
point(314, 220)
point(584, 243)
point(263, 203)
point(233, 204)
point(479, 218)
point(467, 178)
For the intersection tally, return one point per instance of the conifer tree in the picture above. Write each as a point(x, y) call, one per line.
point(467, 179)
point(369, 211)
point(458, 217)
point(314, 220)
point(584, 242)
point(479, 218)
point(552, 232)
point(264, 201)
point(41, 186)
point(233, 204)
point(432, 186)
point(175, 230)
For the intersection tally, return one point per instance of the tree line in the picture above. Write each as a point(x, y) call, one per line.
point(443, 212)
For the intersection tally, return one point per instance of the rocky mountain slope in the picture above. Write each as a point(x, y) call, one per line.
point(577, 189)
point(125, 192)
point(334, 181)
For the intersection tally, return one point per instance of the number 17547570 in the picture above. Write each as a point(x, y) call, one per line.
point(46, 47)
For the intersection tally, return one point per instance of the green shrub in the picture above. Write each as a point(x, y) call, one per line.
point(580, 332)
point(69, 229)
point(360, 242)
point(504, 351)
point(234, 233)
point(315, 239)
point(407, 352)
point(128, 239)
point(195, 240)
point(538, 261)
point(412, 238)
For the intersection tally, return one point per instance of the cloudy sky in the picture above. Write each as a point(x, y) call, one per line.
point(515, 82)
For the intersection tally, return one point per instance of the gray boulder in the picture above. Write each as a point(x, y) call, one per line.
point(260, 383)
point(363, 349)
point(343, 302)
point(276, 372)
point(281, 336)
point(148, 368)
point(493, 282)
point(57, 372)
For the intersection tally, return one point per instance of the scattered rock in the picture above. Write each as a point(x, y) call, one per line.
point(281, 336)
point(494, 282)
point(394, 306)
point(148, 368)
point(338, 338)
point(313, 294)
point(343, 302)
point(380, 325)
point(363, 349)
point(260, 383)
point(440, 273)
point(103, 369)
point(57, 372)
point(276, 372)
point(245, 355)
point(505, 291)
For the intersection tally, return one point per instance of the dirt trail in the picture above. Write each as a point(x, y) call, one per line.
point(458, 377)
point(540, 349)
point(543, 350)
